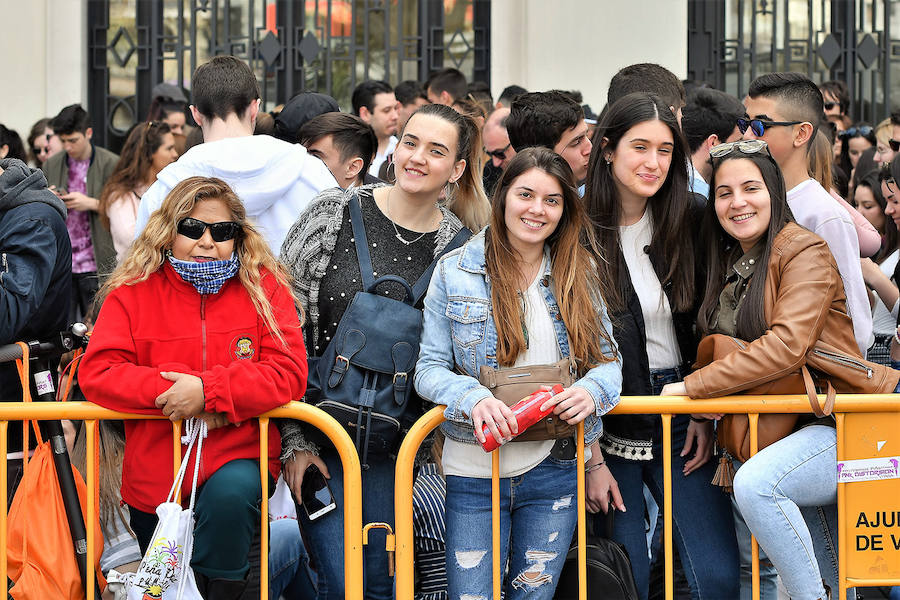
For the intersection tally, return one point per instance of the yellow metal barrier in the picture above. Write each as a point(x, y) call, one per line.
point(91, 414)
point(666, 406)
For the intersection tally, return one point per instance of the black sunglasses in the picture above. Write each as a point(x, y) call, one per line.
point(830, 105)
point(759, 126)
point(220, 232)
point(498, 154)
point(894, 144)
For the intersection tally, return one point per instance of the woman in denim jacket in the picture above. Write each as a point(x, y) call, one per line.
point(522, 292)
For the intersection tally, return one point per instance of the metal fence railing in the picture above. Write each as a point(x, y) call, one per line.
point(666, 406)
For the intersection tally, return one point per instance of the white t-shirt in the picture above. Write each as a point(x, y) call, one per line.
point(470, 460)
point(815, 209)
point(662, 345)
point(884, 321)
point(379, 158)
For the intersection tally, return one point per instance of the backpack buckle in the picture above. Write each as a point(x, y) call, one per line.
point(401, 380)
point(341, 365)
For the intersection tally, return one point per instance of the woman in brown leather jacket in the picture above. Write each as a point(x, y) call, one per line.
point(776, 285)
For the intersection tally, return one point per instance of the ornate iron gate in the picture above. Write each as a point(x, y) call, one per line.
point(293, 45)
point(730, 42)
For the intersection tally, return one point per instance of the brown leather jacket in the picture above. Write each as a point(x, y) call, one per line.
point(806, 310)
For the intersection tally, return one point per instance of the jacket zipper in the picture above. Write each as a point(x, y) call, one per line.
point(739, 343)
point(844, 361)
point(203, 326)
point(201, 474)
point(5, 264)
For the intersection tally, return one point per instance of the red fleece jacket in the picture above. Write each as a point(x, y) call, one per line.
point(164, 324)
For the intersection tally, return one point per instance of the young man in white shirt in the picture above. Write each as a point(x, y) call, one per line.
point(275, 180)
point(374, 102)
point(784, 110)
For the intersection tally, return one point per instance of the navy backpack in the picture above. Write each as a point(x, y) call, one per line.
point(364, 377)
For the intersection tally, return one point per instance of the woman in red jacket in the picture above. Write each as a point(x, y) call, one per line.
point(198, 321)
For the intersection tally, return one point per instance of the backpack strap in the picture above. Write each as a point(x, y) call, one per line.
point(402, 354)
point(421, 285)
point(362, 244)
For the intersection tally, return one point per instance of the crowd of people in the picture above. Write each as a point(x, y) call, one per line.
point(435, 247)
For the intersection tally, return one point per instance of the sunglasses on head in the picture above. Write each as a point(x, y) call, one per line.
point(759, 126)
point(498, 154)
point(856, 132)
point(894, 144)
point(742, 146)
point(220, 232)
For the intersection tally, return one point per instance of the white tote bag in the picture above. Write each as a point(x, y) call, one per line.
point(165, 571)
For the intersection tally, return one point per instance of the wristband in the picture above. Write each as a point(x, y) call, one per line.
point(701, 420)
point(594, 467)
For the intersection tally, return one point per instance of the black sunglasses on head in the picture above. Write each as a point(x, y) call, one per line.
point(220, 232)
point(759, 126)
point(498, 154)
point(894, 144)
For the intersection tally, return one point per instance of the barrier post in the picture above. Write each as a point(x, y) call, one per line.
point(403, 500)
point(582, 515)
point(495, 522)
point(843, 533)
point(753, 420)
point(667, 505)
point(264, 509)
point(4, 477)
point(92, 487)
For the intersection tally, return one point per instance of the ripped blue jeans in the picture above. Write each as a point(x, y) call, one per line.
point(537, 519)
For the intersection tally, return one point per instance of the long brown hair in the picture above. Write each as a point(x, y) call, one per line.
point(148, 252)
point(669, 207)
point(573, 254)
point(721, 248)
point(135, 162)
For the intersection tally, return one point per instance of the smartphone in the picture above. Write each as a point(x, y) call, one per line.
point(315, 495)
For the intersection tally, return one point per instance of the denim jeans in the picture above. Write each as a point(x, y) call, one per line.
point(325, 535)
point(706, 546)
point(775, 489)
point(289, 574)
point(538, 513)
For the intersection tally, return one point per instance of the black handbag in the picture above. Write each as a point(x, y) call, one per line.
point(609, 575)
point(364, 378)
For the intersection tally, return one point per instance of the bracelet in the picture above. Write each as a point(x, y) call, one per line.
point(700, 420)
point(594, 467)
point(897, 337)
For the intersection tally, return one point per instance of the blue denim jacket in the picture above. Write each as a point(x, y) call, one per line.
point(459, 330)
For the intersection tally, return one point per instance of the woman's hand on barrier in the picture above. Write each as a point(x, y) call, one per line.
point(213, 420)
point(573, 405)
point(184, 399)
point(497, 416)
point(601, 488)
point(701, 434)
point(674, 389)
point(295, 467)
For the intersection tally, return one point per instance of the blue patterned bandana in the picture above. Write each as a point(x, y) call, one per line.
point(207, 277)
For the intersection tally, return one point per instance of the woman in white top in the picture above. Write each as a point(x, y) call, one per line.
point(647, 225)
point(523, 292)
point(149, 148)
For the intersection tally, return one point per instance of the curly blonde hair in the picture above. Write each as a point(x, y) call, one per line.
point(148, 253)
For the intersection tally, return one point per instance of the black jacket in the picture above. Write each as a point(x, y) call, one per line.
point(631, 436)
point(35, 266)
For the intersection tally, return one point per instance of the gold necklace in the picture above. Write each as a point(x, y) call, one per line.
point(396, 231)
